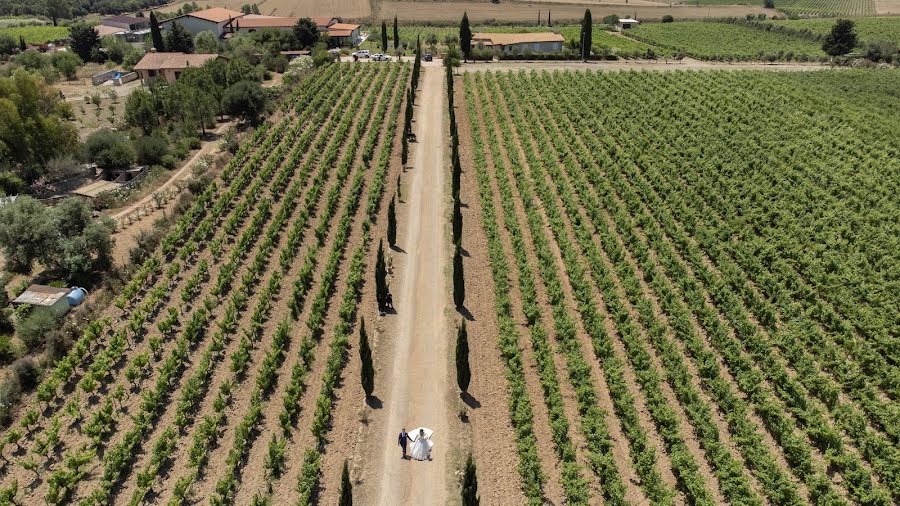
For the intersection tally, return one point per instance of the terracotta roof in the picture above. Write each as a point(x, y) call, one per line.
point(216, 14)
point(104, 31)
point(340, 33)
point(322, 20)
point(506, 39)
point(343, 26)
point(161, 61)
point(265, 22)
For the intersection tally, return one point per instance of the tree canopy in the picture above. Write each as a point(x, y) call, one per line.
point(109, 150)
point(246, 100)
point(85, 40)
point(179, 40)
point(156, 34)
point(841, 40)
point(465, 36)
point(306, 33)
point(32, 130)
point(64, 238)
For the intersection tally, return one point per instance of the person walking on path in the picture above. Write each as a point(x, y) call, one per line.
point(402, 440)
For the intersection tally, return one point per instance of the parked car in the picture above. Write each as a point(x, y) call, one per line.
point(427, 57)
point(362, 53)
point(380, 57)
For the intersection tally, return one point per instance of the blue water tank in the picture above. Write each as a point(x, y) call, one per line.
point(76, 296)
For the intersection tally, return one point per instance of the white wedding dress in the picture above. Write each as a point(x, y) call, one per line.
point(421, 448)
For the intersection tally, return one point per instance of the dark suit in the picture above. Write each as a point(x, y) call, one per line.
point(402, 440)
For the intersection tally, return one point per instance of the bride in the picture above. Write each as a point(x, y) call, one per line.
point(421, 449)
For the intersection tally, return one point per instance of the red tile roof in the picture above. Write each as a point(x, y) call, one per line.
point(216, 14)
point(162, 61)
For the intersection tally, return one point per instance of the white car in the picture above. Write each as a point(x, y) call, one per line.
point(362, 53)
point(381, 57)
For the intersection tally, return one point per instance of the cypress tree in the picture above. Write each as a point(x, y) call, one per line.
point(470, 484)
point(396, 35)
point(346, 488)
point(156, 34)
point(459, 284)
point(465, 36)
point(587, 36)
point(392, 224)
point(380, 276)
point(384, 37)
point(548, 18)
point(404, 150)
point(22, 45)
point(367, 373)
point(399, 193)
point(457, 222)
point(463, 373)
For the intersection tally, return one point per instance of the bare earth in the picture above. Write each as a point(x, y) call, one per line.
point(887, 6)
point(344, 8)
point(420, 389)
point(482, 11)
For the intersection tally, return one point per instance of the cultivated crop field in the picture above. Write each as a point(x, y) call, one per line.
point(440, 34)
point(693, 280)
point(213, 378)
point(724, 41)
point(809, 7)
point(868, 29)
point(37, 34)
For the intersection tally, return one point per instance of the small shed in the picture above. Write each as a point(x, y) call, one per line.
point(626, 23)
point(49, 297)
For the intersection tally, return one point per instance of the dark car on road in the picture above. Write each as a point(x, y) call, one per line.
point(427, 57)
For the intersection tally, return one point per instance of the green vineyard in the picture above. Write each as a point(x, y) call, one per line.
point(694, 281)
point(717, 41)
point(212, 377)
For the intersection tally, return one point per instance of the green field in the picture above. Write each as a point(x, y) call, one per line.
point(439, 35)
point(725, 41)
point(37, 34)
point(731, 242)
point(868, 29)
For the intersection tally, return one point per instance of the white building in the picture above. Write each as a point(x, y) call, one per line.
point(626, 23)
point(50, 297)
point(543, 42)
point(216, 20)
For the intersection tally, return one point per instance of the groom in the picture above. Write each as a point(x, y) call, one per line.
point(402, 440)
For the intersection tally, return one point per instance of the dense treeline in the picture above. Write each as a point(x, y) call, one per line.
point(77, 7)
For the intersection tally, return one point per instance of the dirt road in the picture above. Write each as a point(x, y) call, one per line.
point(419, 386)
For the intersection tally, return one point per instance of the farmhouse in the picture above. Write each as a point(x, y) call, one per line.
point(169, 66)
point(544, 42)
point(343, 34)
point(626, 23)
point(216, 20)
